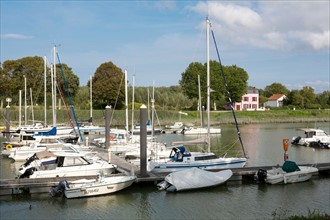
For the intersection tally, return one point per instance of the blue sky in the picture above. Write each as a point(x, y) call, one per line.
point(274, 41)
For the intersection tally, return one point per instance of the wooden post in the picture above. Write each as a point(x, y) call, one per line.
point(143, 141)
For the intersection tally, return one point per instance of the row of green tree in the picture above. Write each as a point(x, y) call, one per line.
point(108, 83)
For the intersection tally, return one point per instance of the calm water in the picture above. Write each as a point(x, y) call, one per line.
point(233, 200)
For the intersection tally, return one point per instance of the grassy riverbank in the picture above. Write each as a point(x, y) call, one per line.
point(169, 117)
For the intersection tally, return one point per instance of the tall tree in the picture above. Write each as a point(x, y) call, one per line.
point(323, 99)
point(236, 79)
point(309, 96)
point(276, 88)
point(109, 86)
point(14, 71)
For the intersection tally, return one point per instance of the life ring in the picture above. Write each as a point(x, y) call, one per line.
point(9, 146)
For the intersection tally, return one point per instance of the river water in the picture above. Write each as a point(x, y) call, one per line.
point(233, 200)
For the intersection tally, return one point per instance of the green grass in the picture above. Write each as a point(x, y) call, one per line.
point(311, 215)
point(169, 117)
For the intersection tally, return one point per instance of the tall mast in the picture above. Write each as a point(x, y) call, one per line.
point(52, 80)
point(45, 89)
point(126, 106)
point(32, 106)
point(208, 82)
point(54, 73)
point(200, 100)
point(91, 99)
point(133, 103)
point(25, 108)
point(20, 110)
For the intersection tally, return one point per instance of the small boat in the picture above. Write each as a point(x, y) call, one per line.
point(94, 187)
point(176, 125)
point(193, 178)
point(199, 131)
point(311, 136)
point(290, 172)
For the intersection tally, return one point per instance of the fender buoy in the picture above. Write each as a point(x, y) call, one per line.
point(9, 146)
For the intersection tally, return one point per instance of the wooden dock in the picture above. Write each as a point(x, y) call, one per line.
point(39, 185)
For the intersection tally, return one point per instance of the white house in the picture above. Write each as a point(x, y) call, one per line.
point(275, 100)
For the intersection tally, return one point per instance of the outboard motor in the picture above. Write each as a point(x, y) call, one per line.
point(59, 189)
point(296, 140)
point(30, 159)
point(28, 173)
point(262, 175)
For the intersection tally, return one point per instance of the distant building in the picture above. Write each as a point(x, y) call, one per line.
point(275, 100)
point(250, 101)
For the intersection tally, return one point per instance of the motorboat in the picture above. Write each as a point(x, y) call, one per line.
point(62, 164)
point(199, 130)
point(194, 178)
point(93, 187)
point(176, 125)
point(290, 172)
point(28, 140)
point(181, 159)
point(311, 135)
point(51, 143)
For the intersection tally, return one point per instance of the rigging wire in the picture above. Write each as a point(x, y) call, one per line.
point(228, 94)
point(67, 90)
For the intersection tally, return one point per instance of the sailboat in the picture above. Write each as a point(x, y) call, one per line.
point(180, 158)
point(201, 130)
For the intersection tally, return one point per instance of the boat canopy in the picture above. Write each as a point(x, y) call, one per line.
point(290, 166)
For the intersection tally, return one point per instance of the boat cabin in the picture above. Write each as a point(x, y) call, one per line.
point(178, 153)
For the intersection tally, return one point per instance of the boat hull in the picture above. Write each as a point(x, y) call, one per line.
point(278, 176)
point(109, 185)
point(221, 163)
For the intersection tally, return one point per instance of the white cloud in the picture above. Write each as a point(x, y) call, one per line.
point(277, 25)
point(15, 36)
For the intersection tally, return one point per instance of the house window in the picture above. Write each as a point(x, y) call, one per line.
point(246, 99)
point(254, 99)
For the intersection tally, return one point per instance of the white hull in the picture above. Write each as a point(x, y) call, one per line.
point(106, 186)
point(52, 164)
point(199, 131)
point(214, 164)
point(278, 176)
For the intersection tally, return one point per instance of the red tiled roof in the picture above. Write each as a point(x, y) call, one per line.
point(276, 96)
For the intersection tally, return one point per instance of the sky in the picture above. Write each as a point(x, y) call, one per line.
point(155, 41)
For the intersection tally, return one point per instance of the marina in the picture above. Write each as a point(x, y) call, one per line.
point(240, 197)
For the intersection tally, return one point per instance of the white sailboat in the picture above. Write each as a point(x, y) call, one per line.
point(181, 159)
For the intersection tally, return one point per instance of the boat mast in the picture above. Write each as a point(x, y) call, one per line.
point(208, 82)
point(133, 103)
point(126, 107)
point(91, 103)
point(54, 74)
point(199, 101)
point(25, 108)
point(20, 110)
point(32, 106)
point(52, 80)
point(45, 98)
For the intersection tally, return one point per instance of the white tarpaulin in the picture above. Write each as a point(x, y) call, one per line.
point(197, 178)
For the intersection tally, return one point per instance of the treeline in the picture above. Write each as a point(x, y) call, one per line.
point(108, 83)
